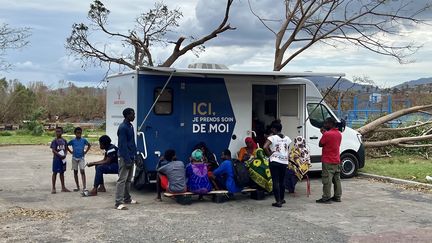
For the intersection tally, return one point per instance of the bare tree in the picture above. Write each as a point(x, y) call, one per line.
point(11, 38)
point(151, 30)
point(364, 23)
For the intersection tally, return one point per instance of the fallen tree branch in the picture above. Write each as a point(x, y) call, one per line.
point(427, 132)
point(425, 155)
point(386, 155)
point(400, 142)
point(425, 112)
point(398, 129)
point(415, 145)
point(372, 126)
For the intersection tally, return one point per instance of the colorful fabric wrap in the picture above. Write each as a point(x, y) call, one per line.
point(259, 171)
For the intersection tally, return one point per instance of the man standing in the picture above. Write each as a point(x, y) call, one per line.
point(331, 167)
point(127, 152)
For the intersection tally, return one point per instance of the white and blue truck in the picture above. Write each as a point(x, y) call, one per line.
point(178, 108)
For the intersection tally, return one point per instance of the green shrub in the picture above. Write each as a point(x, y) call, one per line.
point(68, 128)
point(22, 132)
point(103, 126)
point(34, 126)
point(5, 134)
point(38, 130)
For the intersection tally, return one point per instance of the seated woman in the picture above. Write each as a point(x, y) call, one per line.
point(174, 170)
point(247, 152)
point(109, 164)
point(208, 157)
point(299, 164)
point(198, 181)
point(259, 171)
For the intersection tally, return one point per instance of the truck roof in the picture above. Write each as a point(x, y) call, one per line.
point(225, 72)
point(240, 73)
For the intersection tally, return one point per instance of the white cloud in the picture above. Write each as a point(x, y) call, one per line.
point(27, 65)
point(250, 47)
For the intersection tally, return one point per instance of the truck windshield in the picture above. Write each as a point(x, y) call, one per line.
point(319, 114)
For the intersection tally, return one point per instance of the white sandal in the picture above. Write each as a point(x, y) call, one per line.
point(132, 202)
point(121, 207)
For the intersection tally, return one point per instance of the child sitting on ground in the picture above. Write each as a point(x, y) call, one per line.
point(59, 150)
point(79, 150)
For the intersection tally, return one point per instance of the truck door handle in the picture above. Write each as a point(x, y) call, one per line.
point(314, 137)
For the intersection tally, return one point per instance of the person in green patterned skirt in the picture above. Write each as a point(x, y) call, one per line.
point(259, 170)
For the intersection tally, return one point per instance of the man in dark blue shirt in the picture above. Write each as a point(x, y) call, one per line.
point(224, 174)
point(127, 152)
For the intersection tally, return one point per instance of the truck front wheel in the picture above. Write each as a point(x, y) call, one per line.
point(349, 164)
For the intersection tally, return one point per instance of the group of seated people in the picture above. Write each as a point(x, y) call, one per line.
point(203, 174)
point(200, 176)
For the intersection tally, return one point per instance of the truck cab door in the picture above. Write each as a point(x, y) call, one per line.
point(317, 114)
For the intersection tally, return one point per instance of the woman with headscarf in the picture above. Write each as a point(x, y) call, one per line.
point(198, 181)
point(208, 157)
point(247, 152)
point(299, 164)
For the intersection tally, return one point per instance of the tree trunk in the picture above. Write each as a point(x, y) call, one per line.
point(398, 129)
point(371, 126)
point(278, 60)
point(400, 142)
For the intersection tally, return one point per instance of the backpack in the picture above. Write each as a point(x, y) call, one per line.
point(241, 173)
point(140, 178)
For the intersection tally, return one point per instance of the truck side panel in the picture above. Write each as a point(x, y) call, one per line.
point(201, 112)
point(121, 93)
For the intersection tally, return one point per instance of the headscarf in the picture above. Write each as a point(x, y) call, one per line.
point(250, 140)
point(209, 156)
point(197, 155)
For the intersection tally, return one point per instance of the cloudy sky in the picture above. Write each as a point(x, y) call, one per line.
point(250, 47)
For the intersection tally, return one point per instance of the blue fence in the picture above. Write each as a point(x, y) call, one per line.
point(365, 106)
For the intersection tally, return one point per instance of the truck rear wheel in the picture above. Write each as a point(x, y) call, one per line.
point(349, 164)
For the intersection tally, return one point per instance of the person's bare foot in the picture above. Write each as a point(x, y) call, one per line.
point(101, 189)
point(65, 190)
point(76, 189)
point(53, 191)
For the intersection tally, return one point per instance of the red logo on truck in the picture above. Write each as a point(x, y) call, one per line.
point(119, 101)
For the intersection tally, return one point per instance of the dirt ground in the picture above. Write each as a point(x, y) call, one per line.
point(370, 212)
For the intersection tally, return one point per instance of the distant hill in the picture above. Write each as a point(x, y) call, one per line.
point(326, 82)
point(414, 83)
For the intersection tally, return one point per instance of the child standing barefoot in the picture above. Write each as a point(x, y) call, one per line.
point(59, 150)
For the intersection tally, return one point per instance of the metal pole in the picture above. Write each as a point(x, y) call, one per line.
point(322, 99)
point(156, 100)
